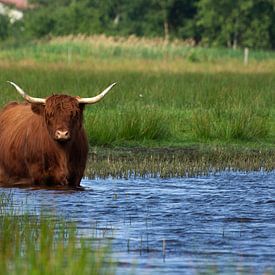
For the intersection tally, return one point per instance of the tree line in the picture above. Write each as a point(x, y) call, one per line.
point(226, 23)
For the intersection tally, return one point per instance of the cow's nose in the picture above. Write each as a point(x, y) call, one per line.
point(62, 135)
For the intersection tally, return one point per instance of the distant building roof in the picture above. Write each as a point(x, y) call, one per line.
point(19, 4)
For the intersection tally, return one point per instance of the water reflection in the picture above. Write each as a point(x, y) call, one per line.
point(221, 222)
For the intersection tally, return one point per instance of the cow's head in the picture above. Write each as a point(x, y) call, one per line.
point(62, 114)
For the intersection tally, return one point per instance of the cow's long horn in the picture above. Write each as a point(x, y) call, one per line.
point(26, 96)
point(92, 100)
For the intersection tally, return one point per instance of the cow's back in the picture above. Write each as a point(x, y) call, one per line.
point(23, 137)
point(18, 126)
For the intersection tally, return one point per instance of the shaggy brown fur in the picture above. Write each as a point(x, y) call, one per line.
point(29, 153)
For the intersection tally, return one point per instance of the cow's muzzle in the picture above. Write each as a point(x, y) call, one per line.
point(62, 135)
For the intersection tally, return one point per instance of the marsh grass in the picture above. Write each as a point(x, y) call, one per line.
point(159, 107)
point(44, 243)
point(176, 162)
point(126, 124)
point(237, 123)
point(161, 101)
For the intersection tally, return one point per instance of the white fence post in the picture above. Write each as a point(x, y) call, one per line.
point(246, 53)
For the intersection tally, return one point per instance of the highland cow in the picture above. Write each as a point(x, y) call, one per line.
point(43, 141)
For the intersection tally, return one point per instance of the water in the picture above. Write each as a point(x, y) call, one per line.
point(223, 222)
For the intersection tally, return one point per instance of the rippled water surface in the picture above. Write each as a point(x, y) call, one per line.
point(223, 222)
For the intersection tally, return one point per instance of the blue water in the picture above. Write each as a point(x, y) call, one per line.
point(223, 222)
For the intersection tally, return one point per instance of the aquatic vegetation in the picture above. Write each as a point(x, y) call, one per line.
point(44, 243)
point(175, 162)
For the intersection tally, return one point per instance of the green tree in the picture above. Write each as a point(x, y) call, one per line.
point(4, 26)
point(165, 18)
point(231, 23)
point(117, 17)
point(65, 17)
point(182, 15)
point(235, 23)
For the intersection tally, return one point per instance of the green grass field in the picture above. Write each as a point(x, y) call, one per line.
point(160, 100)
point(166, 96)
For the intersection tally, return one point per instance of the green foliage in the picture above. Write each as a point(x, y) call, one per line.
point(118, 17)
point(4, 27)
point(39, 25)
point(240, 23)
point(244, 23)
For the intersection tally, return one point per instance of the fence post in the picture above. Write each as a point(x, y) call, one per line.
point(246, 53)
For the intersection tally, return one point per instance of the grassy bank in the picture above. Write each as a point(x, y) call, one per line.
point(158, 102)
point(32, 243)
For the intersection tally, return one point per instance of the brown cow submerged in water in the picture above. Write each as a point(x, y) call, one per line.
point(43, 142)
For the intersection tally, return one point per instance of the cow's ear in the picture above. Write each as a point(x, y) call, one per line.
point(82, 106)
point(38, 108)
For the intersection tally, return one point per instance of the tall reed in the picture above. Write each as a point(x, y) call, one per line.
point(237, 123)
point(80, 48)
point(125, 124)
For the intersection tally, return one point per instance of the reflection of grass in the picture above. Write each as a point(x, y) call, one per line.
point(44, 244)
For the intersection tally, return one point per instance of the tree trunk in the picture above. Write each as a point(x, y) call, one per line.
point(235, 35)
